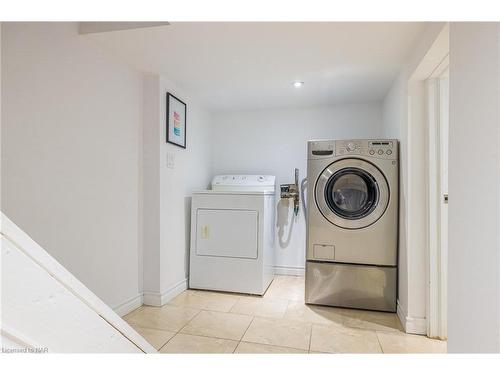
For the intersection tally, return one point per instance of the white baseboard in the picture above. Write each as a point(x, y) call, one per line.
point(401, 315)
point(159, 299)
point(416, 326)
point(291, 271)
point(151, 298)
point(129, 305)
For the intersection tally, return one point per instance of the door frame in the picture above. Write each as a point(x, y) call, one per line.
point(437, 259)
point(415, 196)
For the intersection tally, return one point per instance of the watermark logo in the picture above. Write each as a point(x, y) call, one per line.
point(40, 350)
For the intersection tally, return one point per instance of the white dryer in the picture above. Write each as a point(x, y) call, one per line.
point(232, 235)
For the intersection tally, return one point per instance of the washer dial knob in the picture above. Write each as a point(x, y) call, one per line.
point(351, 147)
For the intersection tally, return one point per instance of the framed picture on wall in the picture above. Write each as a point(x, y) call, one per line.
point(176, 121)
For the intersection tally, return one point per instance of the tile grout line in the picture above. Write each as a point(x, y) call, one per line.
point(310, 339)
point(243, 335)
point(214, 311)
point(161, 347)
point(206, 310)
point(253, 316)
point(154, 329)
point(176, 333)
point(379, 344)
point(238, 299)
point(180, 329)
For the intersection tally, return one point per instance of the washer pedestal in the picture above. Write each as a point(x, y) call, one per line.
point(351, 285)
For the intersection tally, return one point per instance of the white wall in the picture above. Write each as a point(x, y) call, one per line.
point(167, 190)
point(394, 117)
point(474, 188)
point(412, 291)
point(149, 201)
point(70, 175)
point(191, 172)
point(0, 113)
point(275, 142)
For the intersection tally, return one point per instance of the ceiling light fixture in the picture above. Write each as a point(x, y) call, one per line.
point(298, 84)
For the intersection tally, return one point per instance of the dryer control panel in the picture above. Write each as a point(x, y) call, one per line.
point(239, 182)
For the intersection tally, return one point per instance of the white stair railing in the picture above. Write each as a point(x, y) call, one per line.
point(44, 308)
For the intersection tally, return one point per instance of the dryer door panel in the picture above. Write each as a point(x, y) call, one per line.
point(227, 233)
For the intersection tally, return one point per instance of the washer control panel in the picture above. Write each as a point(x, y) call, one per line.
point(380, 149)
point(374, 148)
point(320, 149)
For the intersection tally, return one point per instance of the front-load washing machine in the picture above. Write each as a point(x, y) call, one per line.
point(232, 235)
point(352, 224)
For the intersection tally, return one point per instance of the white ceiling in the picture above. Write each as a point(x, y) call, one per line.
point(232, 66)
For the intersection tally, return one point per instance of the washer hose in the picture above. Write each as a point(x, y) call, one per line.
point(303, 186)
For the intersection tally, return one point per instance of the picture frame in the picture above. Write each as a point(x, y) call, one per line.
point(176, 121)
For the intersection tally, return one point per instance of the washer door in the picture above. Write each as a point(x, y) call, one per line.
point(352, 193)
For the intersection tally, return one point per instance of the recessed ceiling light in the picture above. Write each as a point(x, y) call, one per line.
point(298, 84)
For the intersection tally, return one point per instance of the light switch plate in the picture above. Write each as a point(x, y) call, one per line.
point(170, 160)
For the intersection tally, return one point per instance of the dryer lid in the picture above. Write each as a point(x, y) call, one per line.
point(241, 182)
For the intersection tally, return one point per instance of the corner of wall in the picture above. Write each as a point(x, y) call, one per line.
point(416, 326)
point(160, 299)
point(129, 305)
point(167, 189)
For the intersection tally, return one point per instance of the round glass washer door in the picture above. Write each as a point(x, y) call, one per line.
point(352, 193)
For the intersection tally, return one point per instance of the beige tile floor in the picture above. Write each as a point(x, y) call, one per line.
point(279, 322)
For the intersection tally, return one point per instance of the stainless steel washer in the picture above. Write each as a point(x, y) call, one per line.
point(352, 224)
